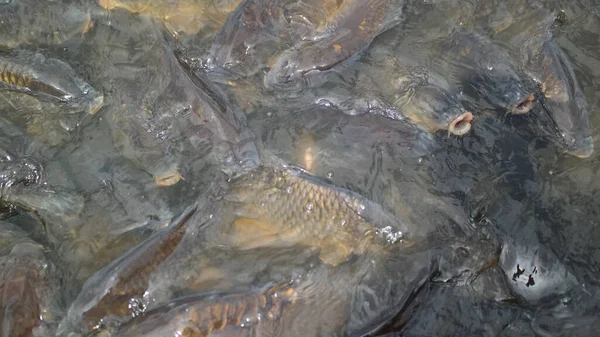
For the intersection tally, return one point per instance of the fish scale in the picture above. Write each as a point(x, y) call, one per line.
point(47, 79)
point(199, 315)
point(296, 208)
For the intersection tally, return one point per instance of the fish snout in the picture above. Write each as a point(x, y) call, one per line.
point(461, 124)
point(524, 106)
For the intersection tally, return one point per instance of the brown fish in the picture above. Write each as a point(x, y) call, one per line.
point(284, 206)
point(200, 315)
point(26, 283)
point(112, 289)
point(180, 17)
point(48, 79)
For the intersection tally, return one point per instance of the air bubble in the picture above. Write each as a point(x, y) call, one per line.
point(289, 189)
point(136, 306)
point(389, 234)
point(330, 174)
point(309, 207)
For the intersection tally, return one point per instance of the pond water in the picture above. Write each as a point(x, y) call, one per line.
point(299, 168)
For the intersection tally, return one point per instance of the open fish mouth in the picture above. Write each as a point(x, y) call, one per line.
point(168, 178)
point(461, 124)
point(523, 106)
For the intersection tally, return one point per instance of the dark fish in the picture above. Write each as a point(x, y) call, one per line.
point(47, 79)
point(565, 102)
point(232, 128)
point(384, 86)
point(26, 22)
point(111, 290)
point(473, 65)
point(530, 37)
point(487, 71)
point(351, 31)
point(258, 29)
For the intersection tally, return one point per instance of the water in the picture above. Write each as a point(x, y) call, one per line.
point(204, 198)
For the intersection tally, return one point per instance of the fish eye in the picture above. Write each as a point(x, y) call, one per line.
point(462, 252)
point(567, 139)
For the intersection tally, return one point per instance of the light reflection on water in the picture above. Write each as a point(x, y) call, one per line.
point(504, 180)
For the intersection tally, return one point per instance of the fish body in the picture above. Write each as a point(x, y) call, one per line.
point(21, 183)
point(351, 31)
point(110, 291)
point(48, 79)
point(200, 315)
point(275, 206)
point(179, 120)
point(25, 22)
point(385, 86)
point(353, 299)
point(255, 31)
point(180, 17)
point(27, 284)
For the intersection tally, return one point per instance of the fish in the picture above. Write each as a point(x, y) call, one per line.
point(28, 284)
point(349, 33)
point(21, 178)
point(474, 68)
point(530, 38)
point(112, 289)
point(179, 119)
point(565, 101)
point(282, 206)
point(201, 314)
point(383, 86)
point(25, 22)
point(180, 17)
point(488, 71)
point(255, 31)
point(354, 298)
point(48, 79)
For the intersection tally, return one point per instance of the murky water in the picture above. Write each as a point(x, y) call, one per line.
point(299, 168)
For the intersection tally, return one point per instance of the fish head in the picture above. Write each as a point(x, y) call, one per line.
point(501, 86)
point(564, 102)
point(436, 109)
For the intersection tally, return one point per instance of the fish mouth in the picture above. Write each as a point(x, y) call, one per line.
point(583, 148)
point(168, 178)
point(461, 124)
point(523, 106)
point(96, 104)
